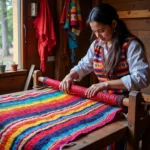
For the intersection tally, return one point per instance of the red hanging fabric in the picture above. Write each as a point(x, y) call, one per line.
point(64, 12)
point(45, 33)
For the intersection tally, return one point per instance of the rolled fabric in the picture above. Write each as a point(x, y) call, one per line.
point(112, 99)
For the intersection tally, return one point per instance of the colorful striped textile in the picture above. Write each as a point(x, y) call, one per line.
point(72, 21)
point(48, 119)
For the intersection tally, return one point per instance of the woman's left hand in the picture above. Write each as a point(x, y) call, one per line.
point(95, 88)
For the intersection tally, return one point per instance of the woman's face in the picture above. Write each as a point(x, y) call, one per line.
point(102, 32)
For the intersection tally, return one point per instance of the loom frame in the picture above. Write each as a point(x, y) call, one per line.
point(136, 127)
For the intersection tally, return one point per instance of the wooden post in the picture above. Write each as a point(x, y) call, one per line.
point(134, 122)
point(146, 139)
point(146, 131)
point(36, 74)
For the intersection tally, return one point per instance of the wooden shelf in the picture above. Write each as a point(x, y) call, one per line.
point(11, 73)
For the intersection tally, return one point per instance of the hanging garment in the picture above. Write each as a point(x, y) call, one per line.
point(72, 20)
point(64, 11)
point(45, 33)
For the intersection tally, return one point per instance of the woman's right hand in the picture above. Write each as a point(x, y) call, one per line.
point(67, 82)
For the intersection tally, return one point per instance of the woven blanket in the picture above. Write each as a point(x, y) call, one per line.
point(48, 119)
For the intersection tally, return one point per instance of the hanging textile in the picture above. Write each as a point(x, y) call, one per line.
point(72, 20)
point(45, 33)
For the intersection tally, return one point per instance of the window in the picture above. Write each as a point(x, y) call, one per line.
point(10, 32)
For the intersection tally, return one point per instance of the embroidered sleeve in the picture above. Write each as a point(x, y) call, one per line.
point(139, 68)
point(85, 65)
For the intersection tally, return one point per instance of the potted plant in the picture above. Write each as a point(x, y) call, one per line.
point(2, 67)
point(14, 66)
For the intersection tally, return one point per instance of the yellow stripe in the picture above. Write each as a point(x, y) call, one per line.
point(33, 134)
point(102, 79)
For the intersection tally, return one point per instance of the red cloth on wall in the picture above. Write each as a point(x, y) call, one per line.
point(45, 33)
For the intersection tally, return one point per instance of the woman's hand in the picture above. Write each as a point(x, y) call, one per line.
point(67, 82)
point(95, 88)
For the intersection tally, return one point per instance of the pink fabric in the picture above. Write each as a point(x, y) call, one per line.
point(45, 33)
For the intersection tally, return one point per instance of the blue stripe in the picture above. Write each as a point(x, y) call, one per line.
point(49, 140)
point(97, 70)
point(30, 100)
point(97, 57)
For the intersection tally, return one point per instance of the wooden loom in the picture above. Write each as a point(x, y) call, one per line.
point(136, 127)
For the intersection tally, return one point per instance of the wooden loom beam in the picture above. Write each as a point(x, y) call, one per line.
point(36, 74)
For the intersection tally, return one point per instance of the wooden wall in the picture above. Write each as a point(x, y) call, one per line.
point(83, 43)
point(138, 26)
point(12, 81)
point(57, 69)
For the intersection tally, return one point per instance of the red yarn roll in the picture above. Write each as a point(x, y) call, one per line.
point(111, 99)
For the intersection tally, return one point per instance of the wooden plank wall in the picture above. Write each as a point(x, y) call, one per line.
point(61, 69)
point(30, 54)
point(30, 48)
point(57, 69)
point(138, 26)
point(83, 44)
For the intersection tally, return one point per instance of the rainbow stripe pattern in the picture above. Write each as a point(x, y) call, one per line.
point(48, 119)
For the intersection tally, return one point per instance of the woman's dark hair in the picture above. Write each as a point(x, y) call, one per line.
point(105, 14)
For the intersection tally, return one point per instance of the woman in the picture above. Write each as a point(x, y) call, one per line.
point(117, 57)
